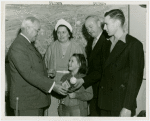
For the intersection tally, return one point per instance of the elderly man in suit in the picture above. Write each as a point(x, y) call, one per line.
point(29, 82)
point(123, 69)
point(93, 25)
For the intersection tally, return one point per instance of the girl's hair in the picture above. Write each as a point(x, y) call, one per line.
point(81, 60)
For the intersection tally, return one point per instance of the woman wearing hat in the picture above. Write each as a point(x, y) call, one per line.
point(57, 57)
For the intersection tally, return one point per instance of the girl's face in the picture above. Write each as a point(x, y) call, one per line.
point(63, 34)
point(73, 64)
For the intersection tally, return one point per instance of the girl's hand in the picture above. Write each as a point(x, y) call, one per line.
point(72, 95)
point(78, 84)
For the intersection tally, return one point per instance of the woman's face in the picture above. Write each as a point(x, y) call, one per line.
point(63, 34)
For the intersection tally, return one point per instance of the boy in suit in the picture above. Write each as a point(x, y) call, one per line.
point(123, 69)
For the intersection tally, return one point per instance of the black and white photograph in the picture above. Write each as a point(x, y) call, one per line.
point(67, 59)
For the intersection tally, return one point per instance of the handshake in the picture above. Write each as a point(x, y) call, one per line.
point(67, 86)
point(64, 87)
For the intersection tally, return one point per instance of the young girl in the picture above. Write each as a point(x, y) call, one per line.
point(75, 103)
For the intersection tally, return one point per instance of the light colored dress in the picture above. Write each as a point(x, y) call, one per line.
point(54, 59)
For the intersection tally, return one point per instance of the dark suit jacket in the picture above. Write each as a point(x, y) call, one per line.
point(122, 75)
point(94, 65)
point(29, 81)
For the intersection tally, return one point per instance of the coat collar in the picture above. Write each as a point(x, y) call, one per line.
point(25, 37)
point(119, 47)
point(29, 45)
point(122, 38)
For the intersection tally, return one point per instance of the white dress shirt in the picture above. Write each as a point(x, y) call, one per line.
point(95, 40)
point(25, 37)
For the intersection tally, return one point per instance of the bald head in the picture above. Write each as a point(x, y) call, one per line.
point(93, 25)
point(95, 17)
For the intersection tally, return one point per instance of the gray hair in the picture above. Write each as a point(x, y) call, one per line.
point(95, 17)
point(28, 22)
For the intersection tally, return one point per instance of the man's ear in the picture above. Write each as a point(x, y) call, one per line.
point(28, 29)
point(117, 23)
point(100, 21)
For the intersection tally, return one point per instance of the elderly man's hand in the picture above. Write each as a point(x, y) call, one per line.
point(58, 88)
point(125, 113)
point(51, 73)
point(78, 84)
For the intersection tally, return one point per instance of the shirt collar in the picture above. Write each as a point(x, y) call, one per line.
point(98, 37)
point(25, 37)
point(122, 38)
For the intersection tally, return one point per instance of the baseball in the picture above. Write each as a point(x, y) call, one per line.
point(73, 80)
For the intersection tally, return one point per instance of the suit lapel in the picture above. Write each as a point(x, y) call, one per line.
point(89, 49)
point(29, 45)
point(97, 46)
point(119, 47)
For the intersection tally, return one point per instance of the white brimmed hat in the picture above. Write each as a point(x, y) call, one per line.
point(63, 22)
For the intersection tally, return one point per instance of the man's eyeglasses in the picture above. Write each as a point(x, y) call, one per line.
point(36, 30)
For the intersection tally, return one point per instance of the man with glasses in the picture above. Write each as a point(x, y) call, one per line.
point(29, 82)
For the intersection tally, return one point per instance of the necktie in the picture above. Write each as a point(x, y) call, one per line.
point(94, 43)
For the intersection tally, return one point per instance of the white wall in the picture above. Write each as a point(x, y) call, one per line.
point(137, 28)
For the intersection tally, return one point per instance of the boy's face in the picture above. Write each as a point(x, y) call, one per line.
point(73, 64)
point(110, 25)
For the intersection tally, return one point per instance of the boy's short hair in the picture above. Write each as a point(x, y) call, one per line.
point(116, 14)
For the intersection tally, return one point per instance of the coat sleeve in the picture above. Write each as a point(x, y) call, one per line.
point(85, 94)
point(95, 73)
point(136, 65)
point(95, 69)
point(21, 60)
